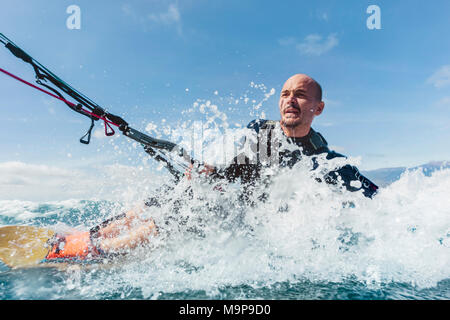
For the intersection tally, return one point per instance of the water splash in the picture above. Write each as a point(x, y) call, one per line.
point(304, 236)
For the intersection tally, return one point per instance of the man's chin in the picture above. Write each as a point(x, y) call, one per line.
point(291, 123)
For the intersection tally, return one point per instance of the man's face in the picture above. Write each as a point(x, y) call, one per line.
point(298, 102)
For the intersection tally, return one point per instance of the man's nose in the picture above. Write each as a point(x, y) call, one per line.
point(290, 98)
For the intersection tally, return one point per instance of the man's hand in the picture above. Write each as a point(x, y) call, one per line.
point(203, 169)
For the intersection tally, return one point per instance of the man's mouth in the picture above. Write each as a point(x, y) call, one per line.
point(292, 110)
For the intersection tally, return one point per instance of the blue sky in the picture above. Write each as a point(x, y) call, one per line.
point(387, 91)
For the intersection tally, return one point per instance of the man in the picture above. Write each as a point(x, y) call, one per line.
point(300, 102)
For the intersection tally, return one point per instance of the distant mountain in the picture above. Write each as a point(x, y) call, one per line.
point(385, 176)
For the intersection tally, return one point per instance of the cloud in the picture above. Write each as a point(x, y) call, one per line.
point(324, 16)
point(444, 102)
point(172, 16)
point(315, 45)
point(19, 173)
point(312, 45)
point(127, 10)
point(441, 78)
point(35, 182)
point(167, 17)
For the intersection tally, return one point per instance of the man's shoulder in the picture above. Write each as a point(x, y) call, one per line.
point(318, 144)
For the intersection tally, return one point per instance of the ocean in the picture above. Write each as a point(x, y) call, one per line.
point(307, 241)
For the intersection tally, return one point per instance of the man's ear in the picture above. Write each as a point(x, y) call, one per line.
point(320, 108)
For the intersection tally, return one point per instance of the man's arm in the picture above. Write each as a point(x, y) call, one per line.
point(123, 232)
point(353, 180)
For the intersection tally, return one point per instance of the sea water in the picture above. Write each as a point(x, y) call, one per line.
point(310, 245)
point(303, 240)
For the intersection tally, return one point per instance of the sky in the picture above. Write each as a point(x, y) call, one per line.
point(386, 91)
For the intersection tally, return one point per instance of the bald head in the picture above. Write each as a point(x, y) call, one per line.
point(313, 86)
point(300, 102)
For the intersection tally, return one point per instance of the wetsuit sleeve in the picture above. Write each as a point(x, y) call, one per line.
point(350, 177)
point(243, 172)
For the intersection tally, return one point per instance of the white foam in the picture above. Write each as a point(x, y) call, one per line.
point(305, 230)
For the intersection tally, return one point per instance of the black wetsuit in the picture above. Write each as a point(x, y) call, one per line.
point(312, 144)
